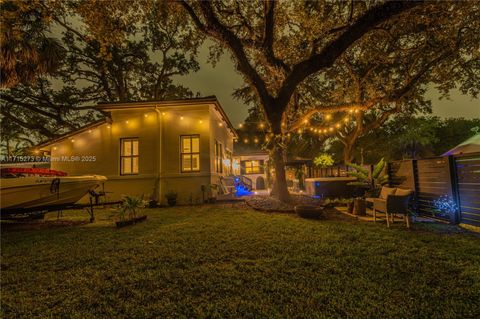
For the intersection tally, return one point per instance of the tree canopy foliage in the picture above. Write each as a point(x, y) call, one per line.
point(405, 137)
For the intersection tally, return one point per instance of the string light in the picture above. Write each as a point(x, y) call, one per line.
point(108, 126)
point(245, 141)
point(200, 121)
point(240, 125)
point(89, 131)
point(356, 111)
point(181, 118)
point(262, 125)
point(72, 140)
point(146, 115)
point(328, 117)
point(126, 121)
point(220, 124)
point(337, 125)
point(54, 148)
point(255, 140)
point(163, 113)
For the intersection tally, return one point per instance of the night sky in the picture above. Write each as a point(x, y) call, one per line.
point(223, 80)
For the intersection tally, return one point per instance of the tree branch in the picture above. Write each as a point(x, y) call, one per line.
point(327, 56)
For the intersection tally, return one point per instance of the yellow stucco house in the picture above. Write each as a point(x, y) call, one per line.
point(151, 148)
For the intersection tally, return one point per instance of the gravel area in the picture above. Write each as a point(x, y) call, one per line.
point(271, 204)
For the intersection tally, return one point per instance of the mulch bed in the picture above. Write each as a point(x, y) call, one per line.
point(271, 204)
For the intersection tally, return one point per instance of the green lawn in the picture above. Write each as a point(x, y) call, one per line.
point(229, 262)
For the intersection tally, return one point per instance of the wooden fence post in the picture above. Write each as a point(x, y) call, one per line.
point(453, 182)
point(415, 185)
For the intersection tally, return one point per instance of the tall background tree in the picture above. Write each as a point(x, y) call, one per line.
point(112, 51)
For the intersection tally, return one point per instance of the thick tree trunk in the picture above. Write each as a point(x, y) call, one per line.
point(348, 150)
point(280, 189)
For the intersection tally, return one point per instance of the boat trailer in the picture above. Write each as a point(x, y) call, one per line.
point(39, 211)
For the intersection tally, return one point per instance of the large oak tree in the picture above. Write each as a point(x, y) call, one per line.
point(278, 45)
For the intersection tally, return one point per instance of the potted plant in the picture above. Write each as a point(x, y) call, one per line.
point(446, 207)
point(373, 183)
point(171, 197)
point(129, 207)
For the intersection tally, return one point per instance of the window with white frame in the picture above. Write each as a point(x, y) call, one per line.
point(129, 156)
point(190, 153)
point(218, 157)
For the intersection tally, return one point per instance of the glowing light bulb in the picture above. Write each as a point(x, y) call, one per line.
point(337, 125)
point(328, 117)
point(255, 140)
point(220, 124)
point(346, 120)
point(72, 140)
point(181, 117)
point(262, 125)
point(240, 125)
point(245, 141)
point(325, 131)
point(108, 126)
point(36, 151)
point(356, 111)
point(200, 121)
point(54, 148)
point(299, 131)
point(163, 113)
point(89, 131)
point(305, 121)
point(350, 111)
point(126, 121)
point(330, 129)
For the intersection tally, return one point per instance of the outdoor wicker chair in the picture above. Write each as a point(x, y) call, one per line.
point(396, 203)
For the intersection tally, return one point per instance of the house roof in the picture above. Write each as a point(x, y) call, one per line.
point(471, 145)
point(142, 104)
point(104, 106)
point(72, 133)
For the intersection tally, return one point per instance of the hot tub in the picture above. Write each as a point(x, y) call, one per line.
point(331, 187)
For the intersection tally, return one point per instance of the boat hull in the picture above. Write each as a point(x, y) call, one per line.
point(31, 192)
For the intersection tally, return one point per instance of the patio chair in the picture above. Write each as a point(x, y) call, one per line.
point(396, 203)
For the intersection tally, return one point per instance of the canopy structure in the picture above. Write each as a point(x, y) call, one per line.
point(471, 145)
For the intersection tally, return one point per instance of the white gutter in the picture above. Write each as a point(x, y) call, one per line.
point(159, 166)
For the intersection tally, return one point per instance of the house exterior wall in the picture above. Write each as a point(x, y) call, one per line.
point(97, 151)
point(222, 135)
point(251, 157)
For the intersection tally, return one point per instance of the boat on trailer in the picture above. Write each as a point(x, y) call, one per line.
point(39, 189)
